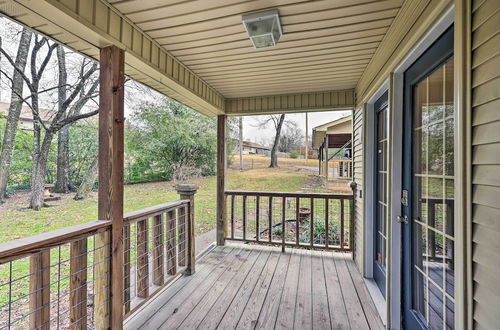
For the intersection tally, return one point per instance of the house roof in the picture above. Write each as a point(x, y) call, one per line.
point(332, 124)
point(249, 144)
point(341, 127)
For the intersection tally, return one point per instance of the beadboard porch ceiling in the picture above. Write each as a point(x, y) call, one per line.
point(325, 44)
point(198, 52)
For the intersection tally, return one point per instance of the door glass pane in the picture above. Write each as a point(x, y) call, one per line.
point(433, 198)
point(381, 233)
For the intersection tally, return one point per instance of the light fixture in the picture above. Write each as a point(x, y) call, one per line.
point(264, 28)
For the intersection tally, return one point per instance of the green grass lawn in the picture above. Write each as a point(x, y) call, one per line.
point(17, 221)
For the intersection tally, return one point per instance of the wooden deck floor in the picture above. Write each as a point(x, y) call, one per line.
point(255, 287)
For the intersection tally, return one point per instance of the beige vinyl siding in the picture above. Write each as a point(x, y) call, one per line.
point(486, 163)
point(359, 179)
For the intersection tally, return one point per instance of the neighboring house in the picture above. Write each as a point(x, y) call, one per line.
point(251, 148)
point(26, 117)
point(335, 135)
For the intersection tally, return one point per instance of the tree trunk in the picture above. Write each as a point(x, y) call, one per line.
point(39, 171)
point(274, 157)
point(62, 179)
point(88, 182)
point(15, 107)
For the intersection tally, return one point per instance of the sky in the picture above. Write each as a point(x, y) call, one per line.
point(264, 136)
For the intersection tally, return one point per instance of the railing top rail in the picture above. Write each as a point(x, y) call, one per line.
point(153, 210)
point(288, 194)
point(15, 249)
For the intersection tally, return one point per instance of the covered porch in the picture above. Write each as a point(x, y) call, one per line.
point(140, 270)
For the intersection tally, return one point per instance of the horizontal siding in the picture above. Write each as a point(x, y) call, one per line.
point(358, 178)
point(486, 163)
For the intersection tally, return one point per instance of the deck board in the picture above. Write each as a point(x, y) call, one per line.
point(247, 287)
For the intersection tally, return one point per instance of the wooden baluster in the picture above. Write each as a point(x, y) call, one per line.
point(297, 221)
point(342, 224)
point(327, 234)
point(182, 237)
point(182, 258)
point(40, 290)
point(171, 255)
point(270, 230)
point(244, 217)
point(142, 270)
point(257, 215)
point(232, 216)
point(158, 250)
point(283, 227)
point(311, 227)
point(126, 267)
point(78, 284)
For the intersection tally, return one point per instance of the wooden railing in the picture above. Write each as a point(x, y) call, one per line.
point(156, 250)
point(342, 169)
point(53, 280)
point(61, 279)
point(314, 220)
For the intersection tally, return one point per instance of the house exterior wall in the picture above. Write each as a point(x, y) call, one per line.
point(358, 177)
point(485, 190)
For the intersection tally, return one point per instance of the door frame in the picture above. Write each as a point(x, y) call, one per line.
point(433, 59)
point(380, 105)
point(395, 145)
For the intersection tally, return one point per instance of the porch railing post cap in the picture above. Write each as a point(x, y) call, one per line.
point(186, 188)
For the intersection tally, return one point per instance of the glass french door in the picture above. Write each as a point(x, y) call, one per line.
point(428, 180)
point(381, 205)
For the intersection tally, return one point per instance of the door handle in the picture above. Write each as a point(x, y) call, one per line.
point(402, 219)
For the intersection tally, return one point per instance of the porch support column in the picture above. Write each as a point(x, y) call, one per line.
point(327, 170)
point(221, 179)
point(111, 148)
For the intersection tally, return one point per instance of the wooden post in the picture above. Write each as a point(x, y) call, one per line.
point(342, 219)
point(244, 206)
point(78, 285)
point(221, 180)
point(126, 267)
point(187, 191)
point(111, 147)
point(327, 170)
point(40, 290)
point(320, 160)
point(171, 254)
point(181, 222)
point(283, 224)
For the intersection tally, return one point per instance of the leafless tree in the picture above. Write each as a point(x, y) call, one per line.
point(68, 111)
point(291, 138)
point(16, 103)
point(277, 121)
